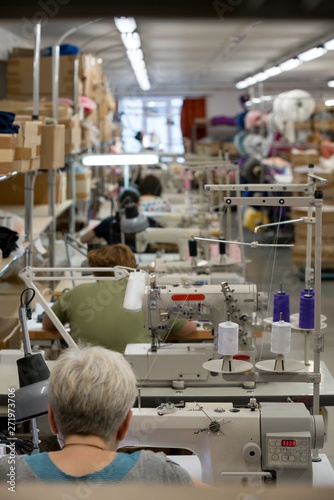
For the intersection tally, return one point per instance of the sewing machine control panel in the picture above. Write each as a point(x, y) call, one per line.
point(288, 450)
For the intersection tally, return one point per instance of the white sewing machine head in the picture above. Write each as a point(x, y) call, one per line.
point(201, 302)
point(270, 441)
point(175, 364)
point(177, 236)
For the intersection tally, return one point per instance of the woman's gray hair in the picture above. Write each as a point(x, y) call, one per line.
point(91, 391)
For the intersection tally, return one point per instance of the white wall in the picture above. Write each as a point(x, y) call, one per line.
point(9, 40)
point(223, 103)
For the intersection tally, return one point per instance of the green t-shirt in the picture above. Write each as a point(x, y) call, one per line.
point(96, 315)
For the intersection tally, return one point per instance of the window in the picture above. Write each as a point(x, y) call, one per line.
point(158, 121)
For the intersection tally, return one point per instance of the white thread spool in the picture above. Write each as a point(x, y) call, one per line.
point(134, 293)
point(280, 337)
point(228, 338)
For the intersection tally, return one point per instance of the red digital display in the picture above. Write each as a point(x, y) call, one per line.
point(288, 443)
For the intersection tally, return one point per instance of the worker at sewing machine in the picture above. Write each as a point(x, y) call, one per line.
point(95, 313)
point(109, 229)
point(151, 199)
point(91, 393)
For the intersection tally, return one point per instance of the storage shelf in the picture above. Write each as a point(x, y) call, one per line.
point(41, 221)
point(38, 210)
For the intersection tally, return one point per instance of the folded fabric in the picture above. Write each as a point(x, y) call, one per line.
point(8, 239)
point(6, 123)
point(223, 120)
point(64, 49)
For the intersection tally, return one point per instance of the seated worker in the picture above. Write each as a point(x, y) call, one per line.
point(95, 313)
point(151, 195)
point(91, 393)
point(109, 228)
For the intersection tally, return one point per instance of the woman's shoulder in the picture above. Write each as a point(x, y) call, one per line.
point(157, 463)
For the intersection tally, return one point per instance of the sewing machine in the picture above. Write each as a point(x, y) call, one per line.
point(209, 272)
point(181, 364)
point(249, 445)
point(178, 236)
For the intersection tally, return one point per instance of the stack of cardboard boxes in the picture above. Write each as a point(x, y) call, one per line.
point(91, 83)
point(300, 229)
point(21, 152)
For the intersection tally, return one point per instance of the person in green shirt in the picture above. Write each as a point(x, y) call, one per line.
point(94, 311)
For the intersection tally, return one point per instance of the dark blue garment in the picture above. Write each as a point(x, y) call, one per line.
point(109, 230)
point(6, 123)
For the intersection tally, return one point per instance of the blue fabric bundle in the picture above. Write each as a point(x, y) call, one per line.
point(65, 49)
point(6, 123)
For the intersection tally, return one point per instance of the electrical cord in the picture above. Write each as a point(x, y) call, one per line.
point(22, 446)
point(25, 300)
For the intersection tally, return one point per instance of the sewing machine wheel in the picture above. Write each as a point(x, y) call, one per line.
point(237, 366)
point(290, 365)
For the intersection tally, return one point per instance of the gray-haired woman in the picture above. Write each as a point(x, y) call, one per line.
point(91, 393)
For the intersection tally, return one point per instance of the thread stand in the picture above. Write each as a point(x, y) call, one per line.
point(227, 365)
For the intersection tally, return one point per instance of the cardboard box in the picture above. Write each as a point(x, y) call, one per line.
point(12, 190)
point(20, 75)
point(106, 129)
point(83, 182)
point(327, 213)
point(304, 158)
point(212, 148)
point(41, 188)
point(27, 146)
point(72, 134)
point(25, 107)
point(53, 147)
point(327, 255)
point(21, 52)
point(7, 153)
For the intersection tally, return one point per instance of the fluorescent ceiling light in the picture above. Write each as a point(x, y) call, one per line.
point(125, 24)
point(135, 55)
point(330, 83)
point(260, 77)
point(273, 71)
point(251, 80)
point(131, 41)
point(329, 45)
point(241, 85)
point(290, 64)
point(287, 65)
point(329, 102)
point(120, 159)
point(311, 54)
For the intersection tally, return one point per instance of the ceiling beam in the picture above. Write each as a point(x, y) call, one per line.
point(223, 9)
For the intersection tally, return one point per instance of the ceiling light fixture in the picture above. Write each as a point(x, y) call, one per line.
point(329, 45)
point(289, 64)
point(329, 102)
point(260, 77)
point(120, 159)
point(311, 54)
point(330, 83)
point(273, 71)
point(125, 24)
point(132, 43)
